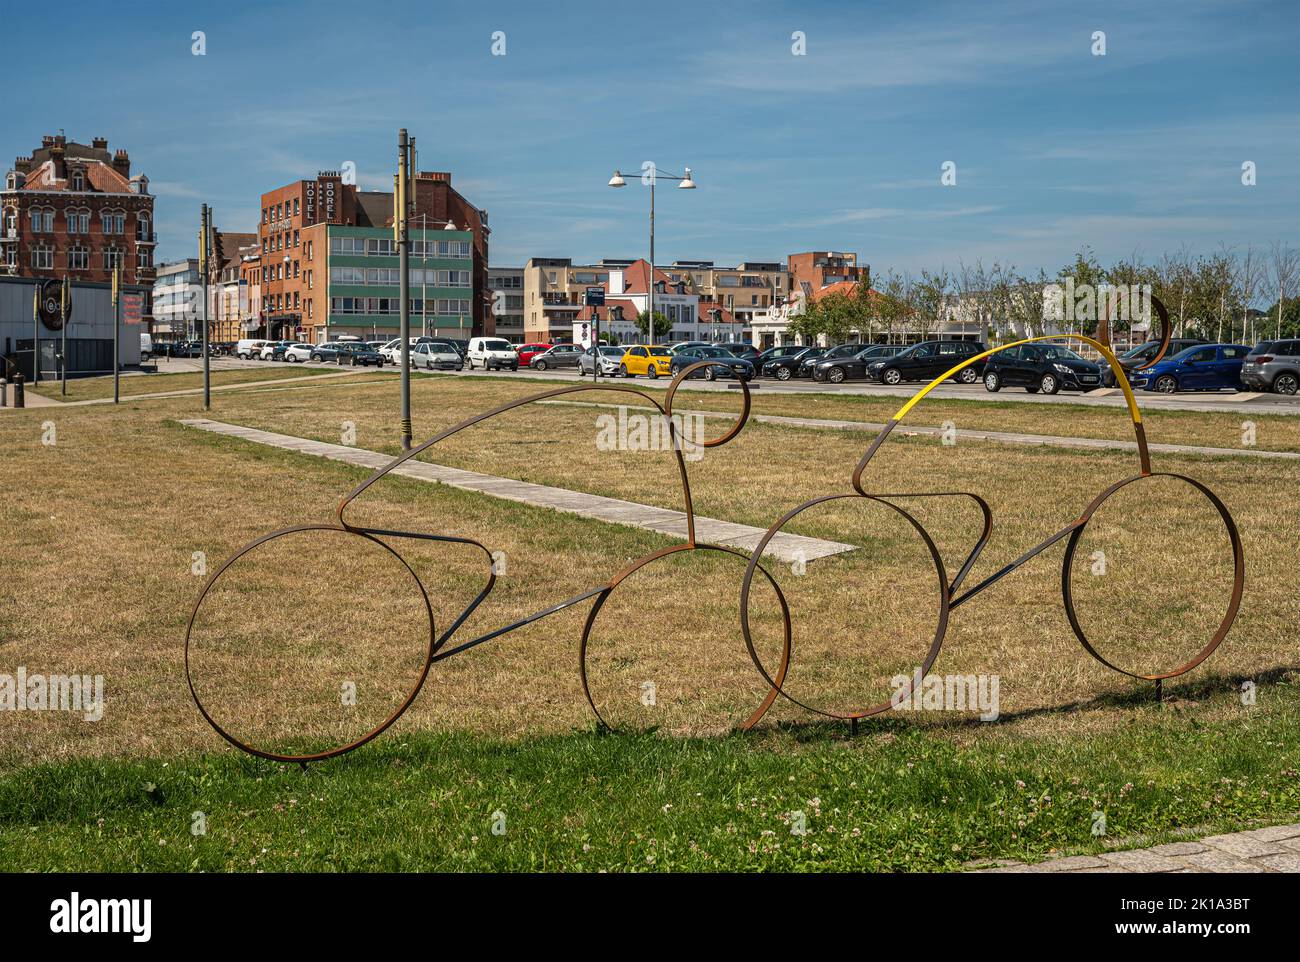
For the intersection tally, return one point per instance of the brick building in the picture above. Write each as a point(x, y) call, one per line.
point(76, 210)
point(328, 264)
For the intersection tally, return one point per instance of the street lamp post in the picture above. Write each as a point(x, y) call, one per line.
point(684, 183)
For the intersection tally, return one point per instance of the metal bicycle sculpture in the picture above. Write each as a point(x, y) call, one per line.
point(950, 597)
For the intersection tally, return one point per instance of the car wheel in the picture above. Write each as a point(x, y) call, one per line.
point(992, 382)
point(783, 374)
point(968, 375)
point(652, 372)
point(1285, 384)
point(316, 358)
point(710, 374)
point(892, 376)
point(1049, 384)
point(622, 371)
point(835, 375)
point(1166, 384)
point(540, 365)
point(514, 367)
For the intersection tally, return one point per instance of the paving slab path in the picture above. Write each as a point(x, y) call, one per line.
point(1272, 849)
point(783, 547)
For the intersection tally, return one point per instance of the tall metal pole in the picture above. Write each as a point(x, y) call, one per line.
point(650, 326)
point(205, 251)
point(36, 335)
point(424, 274)
point(117, 330)
point(402, 229)
point(63, 316)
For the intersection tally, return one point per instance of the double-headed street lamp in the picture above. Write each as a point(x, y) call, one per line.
point(649, 177)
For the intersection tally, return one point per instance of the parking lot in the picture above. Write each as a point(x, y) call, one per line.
point(1198, 401)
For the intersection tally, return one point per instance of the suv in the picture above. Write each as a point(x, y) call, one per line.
point(1040, 367)
point(928, 360)
point(561, 355)
point(492, 353)
point(1142, 354)
point(298, 352)
point(1273, 366)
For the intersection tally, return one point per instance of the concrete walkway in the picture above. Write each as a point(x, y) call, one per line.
point(784, 547)
point(1274, 849)
point(1005, 437)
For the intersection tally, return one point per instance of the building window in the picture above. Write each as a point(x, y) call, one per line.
point(142, 228)
point(144, 257)
point(78, 259)
point(43, 258)
point(295, 207)
point(78, 219)
point(78, 180)
point(112, 258)
point(11, 255)
point(114, 221)
point(42, 220)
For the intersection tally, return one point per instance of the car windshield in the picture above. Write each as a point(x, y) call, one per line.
point(1265, 347)
point(1054, 352)
point(611, 351)
point(496, 346)
point(810, 352)
point(709, 352)
point(661, 352)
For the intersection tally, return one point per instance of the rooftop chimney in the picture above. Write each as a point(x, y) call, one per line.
point(122, 163)
point(100, 143)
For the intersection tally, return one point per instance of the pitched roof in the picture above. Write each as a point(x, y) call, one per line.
point(847, 288)
point(100, 178)
point(706, 306)
point(635, 277)
point(630, 310)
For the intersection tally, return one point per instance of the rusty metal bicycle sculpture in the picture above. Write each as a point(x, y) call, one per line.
point(950, 595)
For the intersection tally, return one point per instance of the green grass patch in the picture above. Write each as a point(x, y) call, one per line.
point(893, 798)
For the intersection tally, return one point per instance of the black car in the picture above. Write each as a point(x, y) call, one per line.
point(928, 360)
point(1142, 355)
point(728, 364)
point(1041, 367)
point(357, 354)
point(839, 369)
point(773, 353)
point(784, 368)
point(737, 349)
point(806, 366)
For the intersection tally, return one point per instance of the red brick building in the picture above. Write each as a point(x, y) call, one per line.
point(293, 234)
point(76, 210)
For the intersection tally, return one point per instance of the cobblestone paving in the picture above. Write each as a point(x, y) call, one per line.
point(1273, 849)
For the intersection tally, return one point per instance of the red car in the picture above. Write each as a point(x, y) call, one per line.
point(528, 351)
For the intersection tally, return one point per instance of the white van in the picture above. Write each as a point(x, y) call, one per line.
point(248, 350)
point(146, 346)
point(492, 352)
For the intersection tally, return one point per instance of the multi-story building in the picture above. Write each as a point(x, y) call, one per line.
point(813, 270)
point(752, 287)
point(177, 295)
point(73, 210)
point(329, 264)
point(228, 302)
point(506, 285)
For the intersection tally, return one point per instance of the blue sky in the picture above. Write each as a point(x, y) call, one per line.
point(841, 148)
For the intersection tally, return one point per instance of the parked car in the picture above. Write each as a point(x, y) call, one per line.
point(273, 350)
point(840, 369)
point(527, 352)
point(784, 368)
point(436, 356)
point(610, 358)
point(1142, 354)
point(561, 355)
point(299, 352)
point(678, 345)
point(1040, 367)
point(357, 354)
point(772, 353)
point(728, 365)
point(806, 366)
point(645, 360)
point(392, 349)
point(928, 360)
point(326, 351)
point(248, 349)
point(492, 353)
point(1273, 366)
point(740, 349)
point(1205, 367)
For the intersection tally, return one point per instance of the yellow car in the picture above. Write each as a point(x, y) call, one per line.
point(645, 359)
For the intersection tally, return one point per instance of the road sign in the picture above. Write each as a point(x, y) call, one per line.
point(582, 333)
point(595, 297)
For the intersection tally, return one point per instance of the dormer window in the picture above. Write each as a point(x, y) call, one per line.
point(79, 180)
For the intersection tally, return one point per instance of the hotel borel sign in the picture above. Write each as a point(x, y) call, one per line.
point(324, 198)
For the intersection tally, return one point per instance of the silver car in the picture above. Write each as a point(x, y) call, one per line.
point(610, 358)
point(436, 356)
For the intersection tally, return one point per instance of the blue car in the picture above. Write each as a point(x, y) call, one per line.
point(1205, 367)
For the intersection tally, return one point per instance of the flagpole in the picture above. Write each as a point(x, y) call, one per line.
point(117, 325)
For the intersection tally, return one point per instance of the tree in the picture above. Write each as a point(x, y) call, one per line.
point(662, 325)
point(930, 296)
point(1175, 286)
point(1285, 264)
point(1252, 274)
